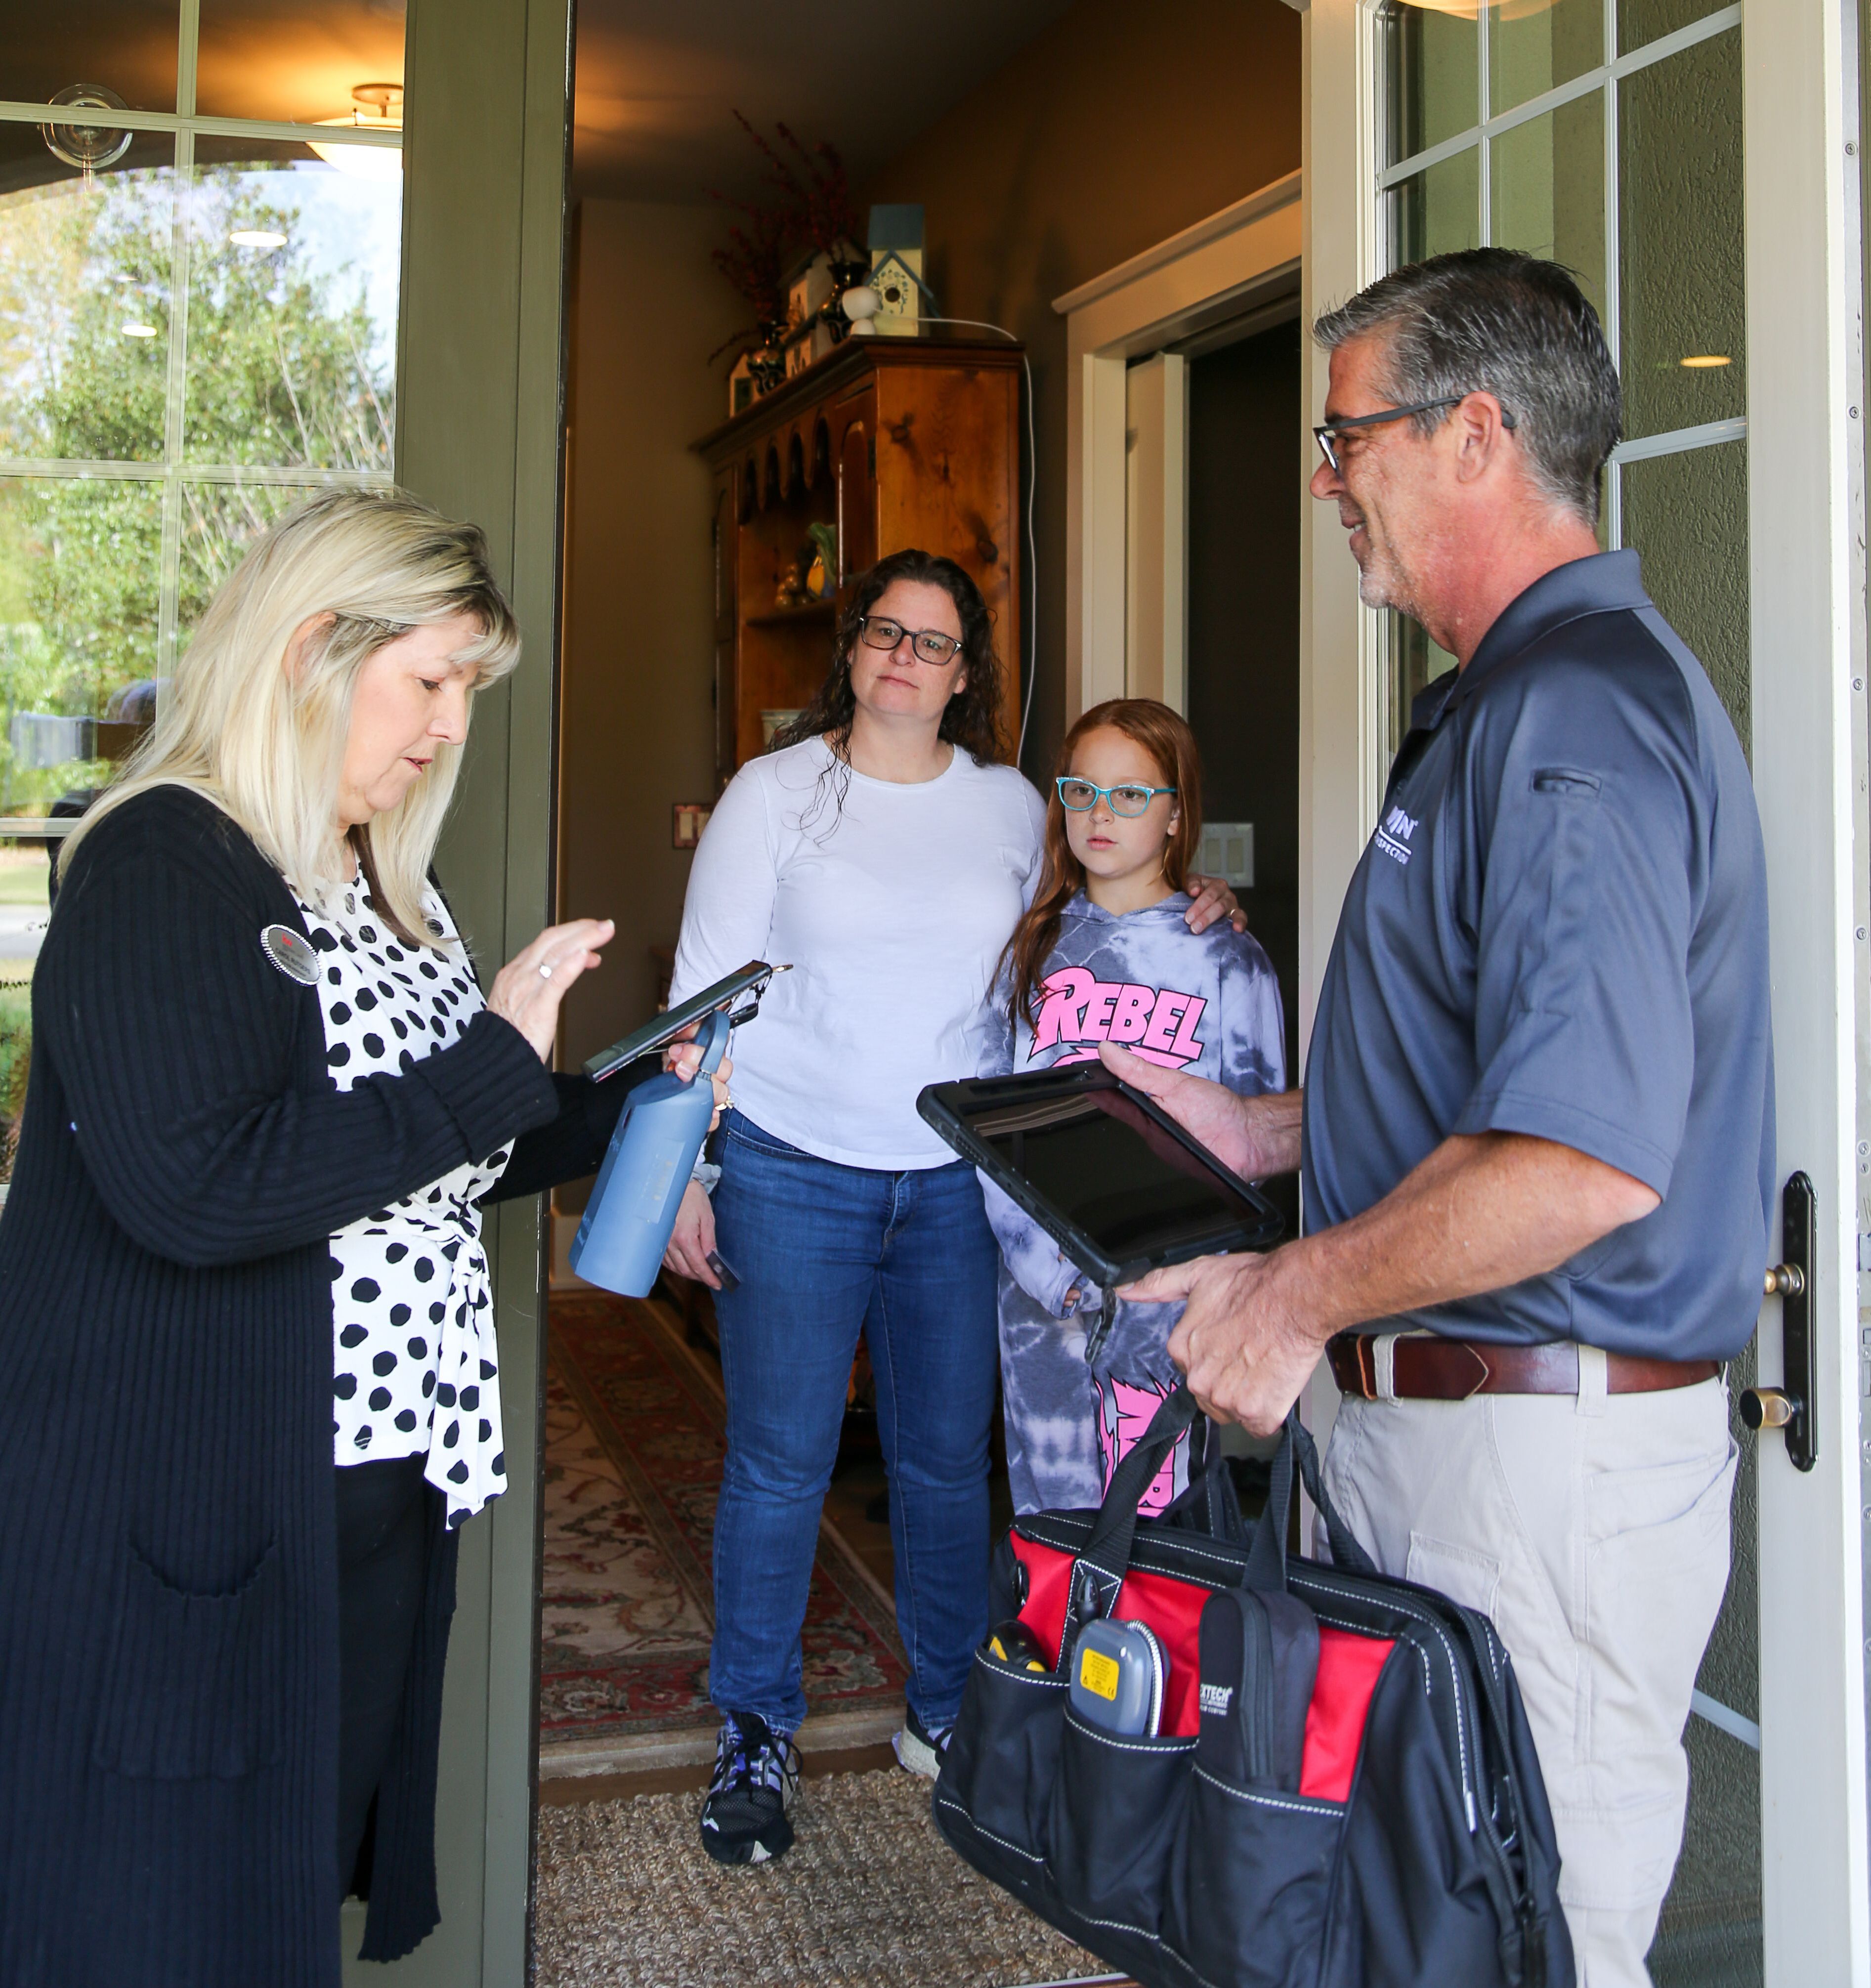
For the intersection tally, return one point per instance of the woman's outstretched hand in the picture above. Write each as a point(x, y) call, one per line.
point(528, 990)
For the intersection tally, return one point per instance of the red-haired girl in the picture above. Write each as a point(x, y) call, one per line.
point(1105, 955)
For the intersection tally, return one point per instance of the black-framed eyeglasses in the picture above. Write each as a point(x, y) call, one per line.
point(1328, 433)
point(931, 645)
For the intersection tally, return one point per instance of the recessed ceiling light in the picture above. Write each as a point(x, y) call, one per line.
point(139, 331)
point(257, 237)
point(1700, 359)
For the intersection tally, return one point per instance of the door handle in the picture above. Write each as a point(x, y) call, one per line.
point(1793, 1405)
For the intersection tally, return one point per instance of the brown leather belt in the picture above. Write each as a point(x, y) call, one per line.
point(1427, 1367)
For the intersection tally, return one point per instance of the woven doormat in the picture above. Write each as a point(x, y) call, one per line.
point(868, 1897)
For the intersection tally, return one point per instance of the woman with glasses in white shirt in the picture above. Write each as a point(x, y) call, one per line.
point(885, 850)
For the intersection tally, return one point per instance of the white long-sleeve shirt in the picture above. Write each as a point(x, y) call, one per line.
point(892, 904)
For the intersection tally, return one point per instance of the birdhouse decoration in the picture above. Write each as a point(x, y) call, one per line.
point(896, 270)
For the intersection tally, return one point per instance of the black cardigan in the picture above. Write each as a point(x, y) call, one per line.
point(168, 1586)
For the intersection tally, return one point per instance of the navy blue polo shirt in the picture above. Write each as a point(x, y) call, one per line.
point(1559, 928)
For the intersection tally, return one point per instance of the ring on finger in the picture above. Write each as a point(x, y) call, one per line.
point(545, 972)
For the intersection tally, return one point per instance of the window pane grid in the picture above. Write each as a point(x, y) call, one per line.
point(296, 474)
point(327, 401)
point(364, 135)
point(1487, 127)
point(1548, 172)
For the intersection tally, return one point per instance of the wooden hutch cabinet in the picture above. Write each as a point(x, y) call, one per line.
point(890, 442)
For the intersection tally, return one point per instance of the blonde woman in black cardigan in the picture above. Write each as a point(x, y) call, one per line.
point(243, 1243)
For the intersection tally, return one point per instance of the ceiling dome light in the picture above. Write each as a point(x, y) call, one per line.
point(376, 106)
point(257, 237)
point(1700, 360)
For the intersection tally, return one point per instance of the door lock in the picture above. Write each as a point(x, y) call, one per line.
point(1792, 1405)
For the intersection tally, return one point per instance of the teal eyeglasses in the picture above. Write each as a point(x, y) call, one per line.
point(1128, 799)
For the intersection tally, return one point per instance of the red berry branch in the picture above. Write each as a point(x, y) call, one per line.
point(813, 207)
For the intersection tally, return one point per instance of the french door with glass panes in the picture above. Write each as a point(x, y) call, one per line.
point(199, 272)
point(200, 245)
point(1696, 166)
point(1607, 135)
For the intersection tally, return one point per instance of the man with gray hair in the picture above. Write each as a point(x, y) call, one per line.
point(1537, 1131)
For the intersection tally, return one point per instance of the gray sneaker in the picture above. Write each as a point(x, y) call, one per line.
point(745, 1816)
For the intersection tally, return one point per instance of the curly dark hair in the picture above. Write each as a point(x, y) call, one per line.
point(973, 719)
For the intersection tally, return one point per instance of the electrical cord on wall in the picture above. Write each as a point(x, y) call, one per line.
point(1032, 565)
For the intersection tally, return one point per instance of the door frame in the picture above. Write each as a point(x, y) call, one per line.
point(1804, 453)
point(479, 428)
point(1217, 269)
point(1800, 87)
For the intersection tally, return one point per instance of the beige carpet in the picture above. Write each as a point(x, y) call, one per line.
point(868, 1897)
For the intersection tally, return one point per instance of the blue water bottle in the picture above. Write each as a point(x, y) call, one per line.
point(631, 1214)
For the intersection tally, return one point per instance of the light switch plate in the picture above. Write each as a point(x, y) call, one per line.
point(1227, 852)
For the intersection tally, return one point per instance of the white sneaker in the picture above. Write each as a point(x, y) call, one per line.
point(919, 1750)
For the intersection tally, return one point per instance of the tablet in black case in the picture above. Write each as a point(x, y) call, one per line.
point(661, 1030)
point(1109, 1175)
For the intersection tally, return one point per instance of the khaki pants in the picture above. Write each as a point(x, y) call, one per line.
point(1594, 1531)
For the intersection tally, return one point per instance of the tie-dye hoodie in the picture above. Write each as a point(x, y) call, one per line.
point(1207, 1003)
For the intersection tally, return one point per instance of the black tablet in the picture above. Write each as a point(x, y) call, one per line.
point(1106, 1172)
point(662, 1029)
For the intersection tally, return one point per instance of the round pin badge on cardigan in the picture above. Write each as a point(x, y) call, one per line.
point(291, 952)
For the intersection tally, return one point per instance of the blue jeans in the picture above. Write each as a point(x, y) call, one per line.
point(824, 1251)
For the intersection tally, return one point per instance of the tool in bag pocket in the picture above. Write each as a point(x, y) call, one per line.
point(1117, 1672)
point(1012, 1643)
point(1339, 1788)
point(1259, 1664)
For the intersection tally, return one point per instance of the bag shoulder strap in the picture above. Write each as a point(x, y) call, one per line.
point(1098, 1572)
point(1345, 1551)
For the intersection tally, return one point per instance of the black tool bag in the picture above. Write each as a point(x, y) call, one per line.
point(1342, 1792)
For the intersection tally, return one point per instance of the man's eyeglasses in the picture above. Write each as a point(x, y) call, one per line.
point(1130, 799)
point(1327, 434)
point(930, 644)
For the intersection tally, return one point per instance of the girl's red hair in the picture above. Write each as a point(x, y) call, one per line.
point(1169, 740)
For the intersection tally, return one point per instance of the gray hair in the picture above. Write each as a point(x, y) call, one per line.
point(1496, 321)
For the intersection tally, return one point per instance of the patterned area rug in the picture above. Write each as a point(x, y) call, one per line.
point(634, 1438)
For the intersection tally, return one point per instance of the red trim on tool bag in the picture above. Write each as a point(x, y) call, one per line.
point(1049, 1586)
point(1172, 1607)
point(1349, 1666)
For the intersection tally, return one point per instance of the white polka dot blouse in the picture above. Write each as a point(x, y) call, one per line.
point(414, 1367)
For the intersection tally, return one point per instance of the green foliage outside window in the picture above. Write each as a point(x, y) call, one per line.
point(287, 368)
point(282, 372)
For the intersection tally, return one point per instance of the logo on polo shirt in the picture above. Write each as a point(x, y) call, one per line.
point(1393, 836)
